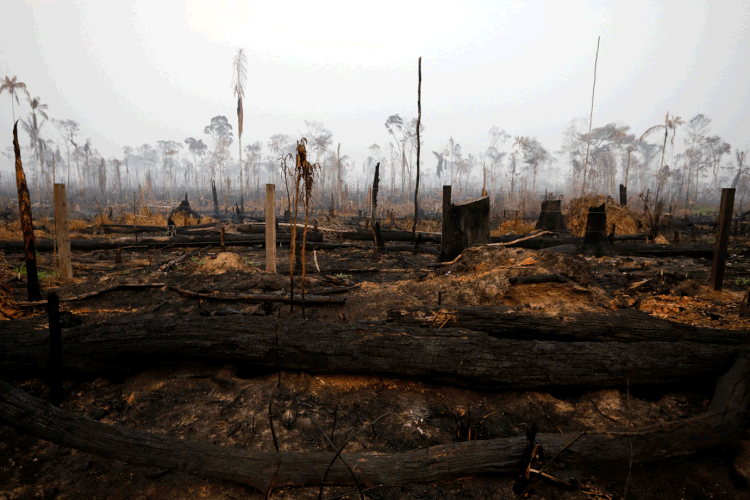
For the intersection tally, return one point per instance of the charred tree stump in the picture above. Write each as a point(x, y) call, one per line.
point(623, 195)
point(27, 224)
point(467, 224)
point(722, 239)
point(551, 218)
point(595, 240)
point(184, 209)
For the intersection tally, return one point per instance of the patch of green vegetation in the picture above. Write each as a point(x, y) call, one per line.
point(250, 262)
point(198, 261)
point(41, 274)
point(342, 275)
point(742, 282)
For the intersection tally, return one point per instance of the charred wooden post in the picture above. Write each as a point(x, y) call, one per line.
point(216, 199)
point(446, 209)
point(270, 228)
point(623, 195)
point(62, 233)
point(551, 218)
point(54, 366)
point(595, 240)
point(468, 224)
point(374, 207)
point(223, 246)
point(722, 239)
point(379, 242)
point(27, 225)
point(419, 121)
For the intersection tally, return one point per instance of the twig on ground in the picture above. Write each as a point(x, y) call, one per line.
point(600, 412)
point(341, 448)
point(333, 447)
point(551, 461)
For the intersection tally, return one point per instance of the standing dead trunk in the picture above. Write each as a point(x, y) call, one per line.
point(216, 198)
point(27, 225)
point(419, 121)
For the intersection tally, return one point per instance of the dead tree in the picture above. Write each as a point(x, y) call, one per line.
point(27, 223)
point(447, 354)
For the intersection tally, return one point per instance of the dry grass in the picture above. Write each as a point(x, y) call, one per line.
point(625, 220)
point(513, 226)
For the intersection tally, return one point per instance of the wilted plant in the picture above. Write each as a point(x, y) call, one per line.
point(303, 176)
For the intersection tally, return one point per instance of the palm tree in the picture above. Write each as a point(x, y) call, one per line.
point(13, 86)
point(33, 127)
point(240, 74)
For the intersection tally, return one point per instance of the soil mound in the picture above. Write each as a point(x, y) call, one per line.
point(225, 261)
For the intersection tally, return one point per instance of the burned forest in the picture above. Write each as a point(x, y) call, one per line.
point(300, 317)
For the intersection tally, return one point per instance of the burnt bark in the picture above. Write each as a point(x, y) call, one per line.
point(623, 325)
point(454, 355)
point(722, 424)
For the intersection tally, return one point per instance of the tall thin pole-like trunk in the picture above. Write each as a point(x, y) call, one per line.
point(591, 116)
point(419, 121)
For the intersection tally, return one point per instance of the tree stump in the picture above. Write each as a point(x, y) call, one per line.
point(465, 225)
point(596, 241)
point(551, 218)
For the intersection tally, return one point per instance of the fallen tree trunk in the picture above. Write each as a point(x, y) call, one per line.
point(722, 424)
point(310, 299)
point(178, 241)
point(391, 236)
point(124, 228)
point(453, 355)
point(623, 325)
point(623, 246)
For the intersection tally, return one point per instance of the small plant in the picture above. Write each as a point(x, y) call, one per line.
point(47, 274)
point(198, 261)
point(124, 273)
point(250, 262)
point(742, 282)
point(20, 271)
point(342, 275)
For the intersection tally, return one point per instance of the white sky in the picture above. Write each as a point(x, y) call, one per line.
point(140, 71)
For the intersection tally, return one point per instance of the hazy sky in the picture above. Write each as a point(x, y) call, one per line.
point(134, 72)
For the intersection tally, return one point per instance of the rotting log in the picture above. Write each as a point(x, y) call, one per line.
point(452, 355)
point(722, 424)
point(622, 325)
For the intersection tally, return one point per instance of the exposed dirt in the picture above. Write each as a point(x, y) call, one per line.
point(224, 404)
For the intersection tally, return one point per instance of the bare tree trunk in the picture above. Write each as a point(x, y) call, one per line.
point(419, 120)
point(27, 225)
point(591, 116)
